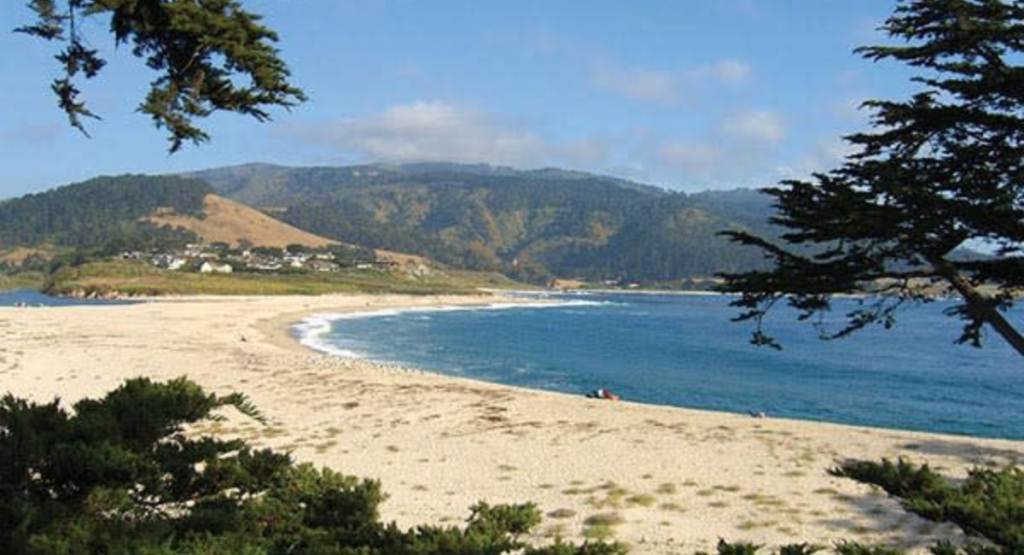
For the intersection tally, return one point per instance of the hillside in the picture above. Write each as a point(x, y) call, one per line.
point(269, 185)
point(532, 224)
point(100, 211)
point(227, 221)
point(233, 223)
point(143, 212)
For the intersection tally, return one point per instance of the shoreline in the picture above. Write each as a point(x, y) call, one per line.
point(678, 478)
point(307, 331)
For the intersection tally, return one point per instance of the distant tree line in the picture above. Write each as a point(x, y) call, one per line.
point(104, 211)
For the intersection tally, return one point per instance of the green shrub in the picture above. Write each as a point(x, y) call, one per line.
point(989, 503)
point(119, 475)
point(738, 548)
point(587, 548)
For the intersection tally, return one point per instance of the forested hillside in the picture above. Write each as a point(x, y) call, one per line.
point(100, 211)
point(529, 224)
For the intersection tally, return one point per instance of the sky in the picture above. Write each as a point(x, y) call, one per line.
point(685, 94)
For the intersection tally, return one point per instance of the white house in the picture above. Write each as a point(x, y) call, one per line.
point(209, 267)
point(169, 261)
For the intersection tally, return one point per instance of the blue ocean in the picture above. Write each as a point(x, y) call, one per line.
point(29, 297)
point(684, 351)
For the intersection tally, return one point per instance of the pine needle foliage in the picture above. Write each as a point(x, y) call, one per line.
point(989, 504)
point(209, 55)
point(939, 171)
point(120, 475)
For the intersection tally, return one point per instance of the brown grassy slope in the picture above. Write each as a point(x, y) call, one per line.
point(230, 222)
point(17, 255)
point(401, 259)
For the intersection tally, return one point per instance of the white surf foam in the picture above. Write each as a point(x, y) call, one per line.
point(312, 331)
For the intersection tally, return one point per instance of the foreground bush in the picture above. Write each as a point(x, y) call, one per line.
point(989, 504)
point(119, 476)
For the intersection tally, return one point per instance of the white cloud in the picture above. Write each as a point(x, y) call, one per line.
point(828, 154)
point(758, 127)
point(587, 153)
point(740, 151)
point(638, 83)
point(690, 156)
point(712, 163)
point(733, 72)
point(851, 109)
point(667, 87)
point(430, 131)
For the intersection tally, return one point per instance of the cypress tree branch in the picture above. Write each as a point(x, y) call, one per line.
point(941, 169)
point(209, 56)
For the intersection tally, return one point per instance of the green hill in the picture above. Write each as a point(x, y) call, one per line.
point(529, 224)
point(99, 211)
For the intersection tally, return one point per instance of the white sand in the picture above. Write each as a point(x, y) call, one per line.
point(679, 479)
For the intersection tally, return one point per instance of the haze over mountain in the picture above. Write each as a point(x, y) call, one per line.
point(531, 224)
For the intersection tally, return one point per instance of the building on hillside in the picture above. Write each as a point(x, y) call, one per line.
point(322, 266)
point(296, 260)
point(265, 265)
point(169, 261)
point(210, 267)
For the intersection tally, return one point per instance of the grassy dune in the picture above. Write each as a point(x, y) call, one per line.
point(23, 280)
point(126, 278)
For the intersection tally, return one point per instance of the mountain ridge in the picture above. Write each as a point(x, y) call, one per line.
point(531, 224)
point(136, 211)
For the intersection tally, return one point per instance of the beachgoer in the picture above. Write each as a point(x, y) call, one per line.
point(603, 393)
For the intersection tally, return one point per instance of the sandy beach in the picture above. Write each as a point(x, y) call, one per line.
point(668, 480)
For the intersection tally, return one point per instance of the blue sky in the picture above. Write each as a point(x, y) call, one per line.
point(689, 95)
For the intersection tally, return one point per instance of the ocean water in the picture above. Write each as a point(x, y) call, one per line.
point(29, 297)
point(684, 351)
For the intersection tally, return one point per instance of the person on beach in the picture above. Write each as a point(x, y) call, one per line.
point(603, 393)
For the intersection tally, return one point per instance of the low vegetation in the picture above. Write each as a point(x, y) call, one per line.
point(121, 475)
point(21, 280)
point(131, 473)
point(988, 504)
point(110, 278)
